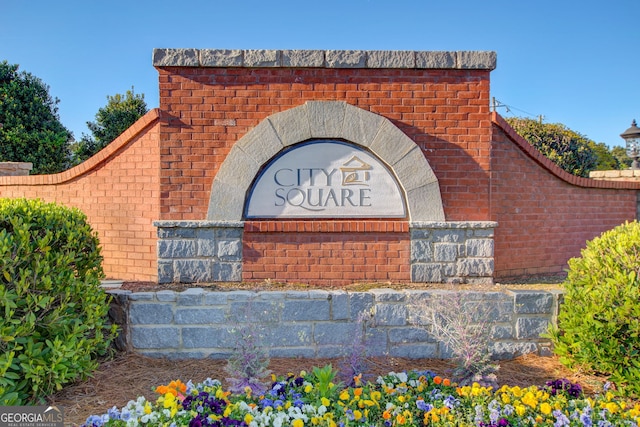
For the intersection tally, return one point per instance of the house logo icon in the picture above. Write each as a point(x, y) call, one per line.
point(355, 172)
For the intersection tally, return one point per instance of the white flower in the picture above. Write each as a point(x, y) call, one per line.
point(402, 376)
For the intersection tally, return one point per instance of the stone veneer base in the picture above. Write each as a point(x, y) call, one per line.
point(198, 323)
point(211, 251)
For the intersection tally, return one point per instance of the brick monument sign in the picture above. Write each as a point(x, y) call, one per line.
point(329, 167)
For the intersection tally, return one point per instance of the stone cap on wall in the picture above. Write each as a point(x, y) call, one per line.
point(616, 175)
point(15, 168)
point(255, 58)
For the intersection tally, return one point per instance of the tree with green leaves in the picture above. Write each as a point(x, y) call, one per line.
point(620, 153)
point(570, 150)
point(606, 160)
point(117, 116)
point(30, 128)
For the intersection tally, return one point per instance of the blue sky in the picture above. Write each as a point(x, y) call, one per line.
point(575, 63)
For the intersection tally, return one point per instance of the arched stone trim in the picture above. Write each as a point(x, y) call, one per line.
point(325, 119)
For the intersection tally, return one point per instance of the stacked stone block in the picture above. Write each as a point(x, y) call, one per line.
point(452, 252)
point(199, 251)
point(197, 323)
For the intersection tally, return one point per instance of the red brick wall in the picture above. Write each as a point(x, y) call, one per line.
point(545, 215)
point(446, 112)
point(326, 252)
point(118, 189)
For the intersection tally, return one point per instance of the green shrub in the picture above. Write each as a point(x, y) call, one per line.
point(599, 321)
point(54, 313)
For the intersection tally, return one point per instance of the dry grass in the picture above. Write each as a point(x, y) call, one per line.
point(130, 375)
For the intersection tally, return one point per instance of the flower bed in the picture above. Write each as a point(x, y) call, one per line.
point(397, 399)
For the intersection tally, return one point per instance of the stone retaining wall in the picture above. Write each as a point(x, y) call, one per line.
point(198, 323)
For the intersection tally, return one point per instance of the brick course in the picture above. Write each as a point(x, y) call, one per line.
point(326, 252)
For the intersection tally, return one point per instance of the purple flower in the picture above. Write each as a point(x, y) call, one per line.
point(450, 402)
point(266, 402)
point(560, 385)
point(423, 406)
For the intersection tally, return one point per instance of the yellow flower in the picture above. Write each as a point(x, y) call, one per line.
point(432, 415)
point(308, 388)
point(357, 415)
point(326, 402)
point(147, 408)
point(530, 399)
point(248, 418)
point(344, 395)
point(520, 410)
point(612, 407)
point(545, 408)
point(464, 391)
point(169, 400)
point(297, 423)
point(517, 391)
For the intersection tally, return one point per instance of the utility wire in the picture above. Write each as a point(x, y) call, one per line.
point(495, 104)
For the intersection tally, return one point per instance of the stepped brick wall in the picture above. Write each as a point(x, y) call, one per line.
point(118, 189)
point(545, 215)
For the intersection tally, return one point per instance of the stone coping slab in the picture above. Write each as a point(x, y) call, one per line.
point(240, 224)
point(197, 224)
point(247, 58)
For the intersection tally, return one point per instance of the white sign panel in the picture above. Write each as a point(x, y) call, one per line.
point(326, 179)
